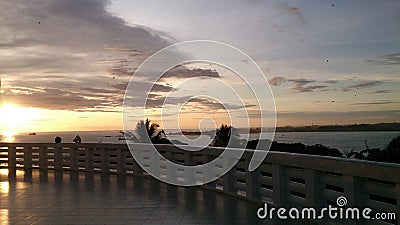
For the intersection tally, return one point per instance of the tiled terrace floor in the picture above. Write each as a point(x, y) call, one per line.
point(33, 197)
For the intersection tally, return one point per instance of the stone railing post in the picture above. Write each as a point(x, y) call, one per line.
point(137, 170)
point(104, 160)
point(58, 164)
point(280, 182)
point(89, 160)
point(188, 158)
point(42, 158)
point(171, 173)
point(121, 157)
point(208, 158)
point(27, 157)
point(353, 191)
point(313, 188)
point(73, 159)
point(190, 177)
point(12, 157)
point(229, 178)
point(252, 183)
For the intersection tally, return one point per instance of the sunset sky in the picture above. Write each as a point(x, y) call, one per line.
point(65, 64)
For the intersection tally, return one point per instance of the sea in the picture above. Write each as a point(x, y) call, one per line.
point(343, 141)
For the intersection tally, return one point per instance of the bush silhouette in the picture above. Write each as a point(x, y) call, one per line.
point(390, 154)
point(300, 148)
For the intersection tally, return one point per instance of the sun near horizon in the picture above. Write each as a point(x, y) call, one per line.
point(15, 119)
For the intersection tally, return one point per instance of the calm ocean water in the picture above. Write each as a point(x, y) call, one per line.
point(344, 141)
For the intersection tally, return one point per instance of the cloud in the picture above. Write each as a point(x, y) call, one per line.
point(361, 85)
point(184, 72)
point(390, 59)
point(65, 53)
point(308, 88)
point(295, 11)
point(57, 99)
point(381, 102)
point(299, 85)
point(385, 91)
point(301, 81)
point(276, 81)
point(331, 81)
point(196, 104)
point(210, 104)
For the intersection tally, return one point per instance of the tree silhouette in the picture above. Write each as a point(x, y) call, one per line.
point(144, 132)
point(224, 134)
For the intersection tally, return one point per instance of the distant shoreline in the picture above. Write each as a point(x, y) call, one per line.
point(313, 128)
point(342, 128)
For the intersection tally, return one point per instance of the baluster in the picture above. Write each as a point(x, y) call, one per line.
point(43, 158)
point(208, 158)
point(58, 165)
point(104, 160)
point(74, 159)
point(171, 173)
point(229, 178)
point(252, 183)
point(190, 174)
point(280, 182)
point(121, 157)
point(28, 157)
point(12, 157)
point(188, 159)
point(313, 188)
point(88, 159)
point(353, 191)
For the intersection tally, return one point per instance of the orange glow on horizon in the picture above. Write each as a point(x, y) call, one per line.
point(14, 119)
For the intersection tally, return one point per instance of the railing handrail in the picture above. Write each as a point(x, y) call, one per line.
point(325, 163)
point(101, 145)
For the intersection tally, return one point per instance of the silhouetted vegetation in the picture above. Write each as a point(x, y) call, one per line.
point(145, 132)
point(390, 154)
point(300, 148)
point(224, 134)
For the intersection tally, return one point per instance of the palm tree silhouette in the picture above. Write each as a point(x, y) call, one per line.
point(145, 132)
point(224, 134)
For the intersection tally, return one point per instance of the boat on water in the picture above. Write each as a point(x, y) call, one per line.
point(32, 133)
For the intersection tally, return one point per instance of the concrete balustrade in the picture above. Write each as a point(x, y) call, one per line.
point(283, 179)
